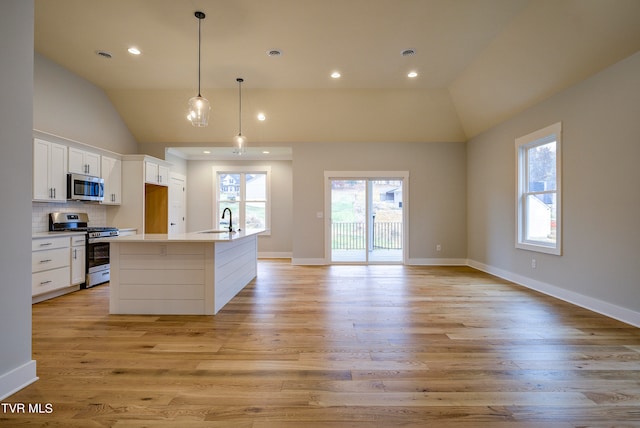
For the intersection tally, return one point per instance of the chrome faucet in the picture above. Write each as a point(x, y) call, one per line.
point(230, 219)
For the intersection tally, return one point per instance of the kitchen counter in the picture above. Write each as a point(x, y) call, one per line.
point(203, 236)
point(38, 235)
point(180, 274)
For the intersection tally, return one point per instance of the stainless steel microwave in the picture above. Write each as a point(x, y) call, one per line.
point(84, 188)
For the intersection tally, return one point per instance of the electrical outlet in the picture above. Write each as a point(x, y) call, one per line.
point(438, 247)
point(534, 264)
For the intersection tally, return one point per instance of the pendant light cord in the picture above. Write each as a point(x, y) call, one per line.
point(200, 16)
point(240, 80)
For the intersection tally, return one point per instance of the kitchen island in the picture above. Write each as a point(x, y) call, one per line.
point(180, 274)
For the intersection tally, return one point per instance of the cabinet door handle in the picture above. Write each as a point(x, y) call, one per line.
point(46, 244)
point(45, 261)
point(45, 282)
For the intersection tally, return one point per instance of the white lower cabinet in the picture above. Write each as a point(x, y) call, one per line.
point(50, 264)
point(78, 260)
point(57, 264)
point(43, 282)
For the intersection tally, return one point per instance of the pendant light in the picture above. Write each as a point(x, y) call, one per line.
point(199, 106)
point(239, 141)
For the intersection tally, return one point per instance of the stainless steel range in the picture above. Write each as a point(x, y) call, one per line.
point(97, 249)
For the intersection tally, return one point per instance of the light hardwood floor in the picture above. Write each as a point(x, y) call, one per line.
point(337, 346)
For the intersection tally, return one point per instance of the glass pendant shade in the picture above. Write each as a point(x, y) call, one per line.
point(199, 109)
point(199, 106)
point(240, 143)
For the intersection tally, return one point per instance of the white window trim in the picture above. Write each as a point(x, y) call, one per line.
point(523, 143)
point(253, 169)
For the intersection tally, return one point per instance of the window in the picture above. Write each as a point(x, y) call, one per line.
point(246, 193)
point(539, 199)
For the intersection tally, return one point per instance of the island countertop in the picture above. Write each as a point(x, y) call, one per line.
point(203, 236)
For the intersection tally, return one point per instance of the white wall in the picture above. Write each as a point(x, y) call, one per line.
point(601, 200)
point(17, 369)
point(437, 199)
point(69, 106)
point(437, 193)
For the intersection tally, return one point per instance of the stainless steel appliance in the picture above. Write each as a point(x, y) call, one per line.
point(85, 188)
point(97, 249)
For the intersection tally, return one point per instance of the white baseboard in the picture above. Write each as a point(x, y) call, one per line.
point(414, 262)
point(608, 309)
point(274, 255)
point(308, 262)
point(437, 262)
point(18, 378)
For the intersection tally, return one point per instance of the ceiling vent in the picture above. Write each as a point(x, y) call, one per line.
point(104, 54)
point(408, 52)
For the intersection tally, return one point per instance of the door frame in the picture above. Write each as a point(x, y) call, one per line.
point(366, 175)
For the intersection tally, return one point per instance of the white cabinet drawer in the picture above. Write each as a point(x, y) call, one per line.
point(43, 282)
point(77, 240)
point(51, 259)
point(49, 243)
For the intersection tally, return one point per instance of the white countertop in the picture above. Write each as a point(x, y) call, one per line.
point(186, 237)
point(54, 234)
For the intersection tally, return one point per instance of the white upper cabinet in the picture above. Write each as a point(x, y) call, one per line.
point(84, 162)
point(151, 172)
point(49, 171)
point(163, 175)
point(155, 173)
point(112, 175)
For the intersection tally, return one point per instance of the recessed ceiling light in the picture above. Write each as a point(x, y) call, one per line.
point(104, 54)
point(261, 117)
point(274, 52)
point(206, 152)
point(266, 152)
point(134, 51)
point(335, 75)
point(412, 74)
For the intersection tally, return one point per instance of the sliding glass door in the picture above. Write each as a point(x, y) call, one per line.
point(366, 219)
point(348, 220)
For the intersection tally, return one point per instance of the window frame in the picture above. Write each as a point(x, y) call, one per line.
point(243, 171)
point(522, 145)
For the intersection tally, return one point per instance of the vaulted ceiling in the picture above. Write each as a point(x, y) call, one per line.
point(479, 62)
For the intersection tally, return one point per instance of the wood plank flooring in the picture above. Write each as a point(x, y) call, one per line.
point(337, 346)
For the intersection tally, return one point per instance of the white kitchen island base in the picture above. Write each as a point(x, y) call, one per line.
point(190, 274)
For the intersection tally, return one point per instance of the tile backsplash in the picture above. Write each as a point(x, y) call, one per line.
point(40, 213)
